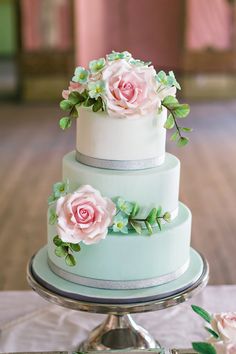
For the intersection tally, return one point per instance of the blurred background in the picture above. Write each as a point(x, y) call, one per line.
point(41, 41)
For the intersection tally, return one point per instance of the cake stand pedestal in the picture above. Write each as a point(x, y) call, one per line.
point(119, 331)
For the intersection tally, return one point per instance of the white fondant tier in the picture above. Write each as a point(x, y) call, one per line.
point(153, 187)
point(132, 257)
point(103, 137)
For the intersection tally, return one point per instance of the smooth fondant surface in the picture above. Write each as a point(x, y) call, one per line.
point(152, 187)
point(105, 137)
point(132, 257)
point(55, 283)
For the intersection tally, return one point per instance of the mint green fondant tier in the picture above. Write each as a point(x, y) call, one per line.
point(153, 187)
point(132, 257)
point(43, 274)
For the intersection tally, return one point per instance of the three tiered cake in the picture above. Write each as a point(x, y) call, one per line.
point(115, 221)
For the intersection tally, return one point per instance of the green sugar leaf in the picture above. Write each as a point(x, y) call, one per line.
point(167, 217)
point(89, 102)
point(52, 216)
point(202, 313)
point(85, 94)
point(174, 82)
point(186, 129)
point(159, 210)
point(161, 77)
point(51, 199)
point(203, 348)
point(70, 260)
point(135, 210)
point(151, 218)
point(97, 105)
point(149, 227)
point(174, 136)
point(66, 105)
point(75, 247)
point(76, 97)
point(170, 101)
point(158, 223)
point(169, 124)
point(61, 251)
point(136, 226)
point(65, 123)
point(182, 110)
point(170, 81)
point(74, 112)
point(213, 333)
point(57, 241)
point(182, 141)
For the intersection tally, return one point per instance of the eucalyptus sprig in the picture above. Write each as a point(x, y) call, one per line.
point(72, 104)
point(154, 218)
point(65, 250)
point(127, 218)
point(176, 111)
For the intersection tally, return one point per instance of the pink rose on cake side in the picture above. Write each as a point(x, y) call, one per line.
point(225, 325)
point(84, 215)
point(130, 90)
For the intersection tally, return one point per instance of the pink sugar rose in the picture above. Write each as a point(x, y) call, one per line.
point(84, 216)
point(225, 325)
point(74, 86)
point(130, 89)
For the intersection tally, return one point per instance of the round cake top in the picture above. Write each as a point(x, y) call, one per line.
point(124, 88)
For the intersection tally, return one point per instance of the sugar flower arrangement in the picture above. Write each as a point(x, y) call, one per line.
point(222, 330)
point(85, 216)
point(124, 87)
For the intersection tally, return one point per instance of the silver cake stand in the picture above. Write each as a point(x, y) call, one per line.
point(119, 331)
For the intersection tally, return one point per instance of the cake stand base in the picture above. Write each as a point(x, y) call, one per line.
point(118, 331)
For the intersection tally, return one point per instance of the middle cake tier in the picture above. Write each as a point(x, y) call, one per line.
point(158, 186)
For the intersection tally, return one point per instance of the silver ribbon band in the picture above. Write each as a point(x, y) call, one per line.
point(120, 164)
point(116, 284)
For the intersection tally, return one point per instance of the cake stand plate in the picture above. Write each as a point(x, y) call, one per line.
point(118, 331)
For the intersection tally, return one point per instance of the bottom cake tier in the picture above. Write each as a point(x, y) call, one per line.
point(129, 261)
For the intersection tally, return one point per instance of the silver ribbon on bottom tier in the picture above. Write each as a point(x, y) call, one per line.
point(117, 284)
point(127, 165)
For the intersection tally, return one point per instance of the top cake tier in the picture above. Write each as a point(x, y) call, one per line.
point(121, 106)
point(108, 142)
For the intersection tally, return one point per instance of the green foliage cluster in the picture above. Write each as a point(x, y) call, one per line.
point(72, 104)
point(65, 250)
point(127, 217)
